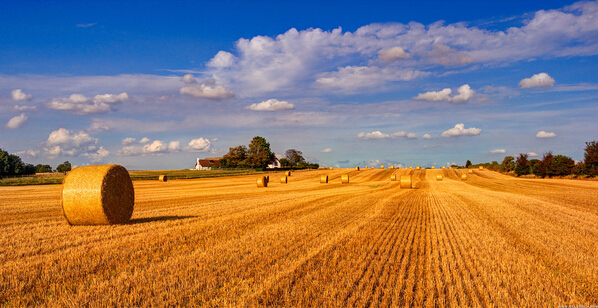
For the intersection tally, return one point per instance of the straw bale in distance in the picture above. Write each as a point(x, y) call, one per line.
point(463, 176)
point(98, 195)
point(433, 167)
point(439, 177)
point(262, 181)
point(393, 177)
point(288, 173)
point(324, 179)
point(481, 167)
point(283, 179)
point(391, 167)
point(417, 168)
point(330, 168)
point(357, 168)
point(410, 167)
point(345, 179)
point(406, 181)
point(470, 171)
point(163, 178)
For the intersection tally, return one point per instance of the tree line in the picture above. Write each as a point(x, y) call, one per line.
point(550, 165)
point(11, 164)
point(258, 155)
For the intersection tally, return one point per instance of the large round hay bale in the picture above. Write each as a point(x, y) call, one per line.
point(463, 176)
point(284, 179)
point(98, 195)
point(262, 181)
point(163, 178)
point(405, 181)
point(324, 179)
point(357, 168)
point(439, 177)
point(345, 179)
point(393, 177)
point(288, 173)
point(470, 171)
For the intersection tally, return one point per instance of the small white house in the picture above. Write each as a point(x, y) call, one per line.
point(207, 164)
point(274, 164)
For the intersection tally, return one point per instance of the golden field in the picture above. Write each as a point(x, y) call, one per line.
point(489, 241)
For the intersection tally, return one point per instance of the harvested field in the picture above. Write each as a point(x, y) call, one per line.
point(490, 241)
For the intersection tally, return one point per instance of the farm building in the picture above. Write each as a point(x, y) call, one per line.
point(207, 163)
point(274, 164)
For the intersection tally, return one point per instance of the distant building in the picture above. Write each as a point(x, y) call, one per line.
point(207, 163)
point(274, 164)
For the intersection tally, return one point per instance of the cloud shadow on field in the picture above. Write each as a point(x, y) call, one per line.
point(157, 218)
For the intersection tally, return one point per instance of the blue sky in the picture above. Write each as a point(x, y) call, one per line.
point(155, 84)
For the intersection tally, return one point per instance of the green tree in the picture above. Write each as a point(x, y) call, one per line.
point(294, 156)
point(39, 168)
point(522, 165)
point(468, 164)
point(508, 164)
point(64, 167)
point(235, 158)
point(590, 157)
point(259, 153)
point(533, 166)
point(10, 164)
point(285, 163)
point(546, 167)
point(563, 165)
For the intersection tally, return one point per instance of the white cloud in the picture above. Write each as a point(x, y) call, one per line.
point(68, 143)
point(498, 151)
point(144, 140)
point(533, 154)
point(271, 105)
point(24, 108)
point(393, 54)
point(128, 140)
point(351, 79)
point(18, 95)
point(373, 135)
point(327, 150)
point(543, 134)
point(86, 25)
point(222, 59)
point(538, 80)
point(28, 153)
point(445, 55)
point(174, 146)
point(17, 122)
point(199, 145)
point(79, 104)
point(97, 156)
point(427, 136)
point(189, 79)
point(155, 148)
point(465, 93)
point(460, 130)
point(206, 91)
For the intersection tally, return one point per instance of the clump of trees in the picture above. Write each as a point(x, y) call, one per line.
point(258, 155)
point(11, 164)
point(64, 167)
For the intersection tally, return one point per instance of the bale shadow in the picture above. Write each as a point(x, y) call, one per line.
point(157, 218)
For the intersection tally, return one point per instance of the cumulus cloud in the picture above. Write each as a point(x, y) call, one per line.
point(24, 108)
point(538, 80)
point(207, 91)
point(393, 54)
point(271, 105)
point(189, 79)
point(351, 79)
point(17, 122)
point(19, 95)
point(498, 151)
point(144, 140)
point(460, 130)
point(155, 148)
point(543, 134)
point(128, 140)
point(199, 145)
point(327, 150)
point(222, 59)
point(68, 143)
point(81, 105)
point(465, 93)
point(445, 55)
point(532, 154)
point(97, 156)
point(381, 135)
point(427, 136)
point(28, 153)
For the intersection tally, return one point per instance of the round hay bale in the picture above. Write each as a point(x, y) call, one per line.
point(324, 179)
point(391, 167)
point(443, 167)
point(366, 167)
point(410, 167)
point(98, 195)
point(267, 179)
point(439, 177)
point(481, 167)
point(284, 179)
point(393, 177)
point(470, 171)
point(345, 179)
point(330, 168)
point(262, 181)
point(381, 166)
point(463, 176)
point(405, 181)
point(433, 167)
point(417, 168)
point(288, 173)
point(163, 178)
point(357, 168)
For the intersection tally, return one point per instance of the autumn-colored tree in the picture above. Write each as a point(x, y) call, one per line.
point(522, 165)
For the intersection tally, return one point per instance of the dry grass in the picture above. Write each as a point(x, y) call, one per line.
point(490, 241)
